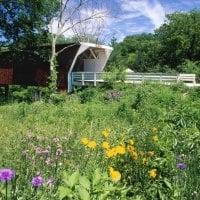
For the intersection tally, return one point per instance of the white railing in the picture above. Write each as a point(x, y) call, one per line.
point(88, 78)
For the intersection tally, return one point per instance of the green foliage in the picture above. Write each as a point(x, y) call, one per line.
point(95, 186)
point(179, 38)
point(151, 127)
point(28, 94)
point(135, 52)
point(175, 42)
point(191, 67)
point(87, 95)
point(22, 20)
point(113, 95)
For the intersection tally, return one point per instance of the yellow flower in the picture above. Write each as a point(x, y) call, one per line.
point(105, 133)
point(91, 144)
point(153, 173)
point(120, 149)
point(134, 155)
point(141, 153)
point(150, 153)
point(131, 142)
point(106, 145)
point(154, 129)
point(111, 152)
point(59, 145)
point(115, 175)
point(85, 141)
point(130, 148)
point(155, 138)
point(144, 161)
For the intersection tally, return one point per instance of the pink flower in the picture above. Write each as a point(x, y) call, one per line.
point(48, 161)
point(38, 138)
point(59, 152)
point(38, 150)
point(56, 140)
point(30, 135)
point(50, 181)
point(46, 152)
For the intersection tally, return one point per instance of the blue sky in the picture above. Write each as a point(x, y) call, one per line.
point(137, 16)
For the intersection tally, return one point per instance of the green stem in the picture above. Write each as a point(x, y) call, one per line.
point(6, 190)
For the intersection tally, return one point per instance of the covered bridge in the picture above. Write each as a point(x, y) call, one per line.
point(30, 68)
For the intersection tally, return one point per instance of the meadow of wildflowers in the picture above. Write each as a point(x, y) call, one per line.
point(144, 144)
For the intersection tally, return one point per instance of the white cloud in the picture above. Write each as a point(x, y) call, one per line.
point(89, 21)
point(148, 8)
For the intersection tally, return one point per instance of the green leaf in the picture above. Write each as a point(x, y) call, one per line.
point(65, 176)
point(96, 177)
point(83, 193)
point(73, 179)
point(84, 181)
point(104, 195)
point(168, 184)
point(64, 192)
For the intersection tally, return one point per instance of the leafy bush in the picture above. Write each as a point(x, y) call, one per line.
point(112, 95)
point(191, 67)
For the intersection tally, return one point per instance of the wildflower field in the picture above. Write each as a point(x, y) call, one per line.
point(137, 142)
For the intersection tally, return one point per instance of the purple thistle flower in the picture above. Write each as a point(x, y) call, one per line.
point(37, 181)
point(181, 166)
point(6, 174)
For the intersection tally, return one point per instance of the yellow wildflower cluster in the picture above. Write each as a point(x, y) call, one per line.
point(155, 138)
point(125, 147)
point(145, 161)
point(134, 155)
point(119, 149)
point(153, 173)
point(115, 175)
point(132, 142)
point(154, 129)
point(84, 141)
point(106, 133)
point(88, 143)
point(106, 145)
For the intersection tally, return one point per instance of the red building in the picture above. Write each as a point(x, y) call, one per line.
point(31, 69)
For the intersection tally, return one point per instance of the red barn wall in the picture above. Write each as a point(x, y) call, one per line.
point(30, 69)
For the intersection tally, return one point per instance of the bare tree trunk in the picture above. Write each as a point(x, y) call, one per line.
point(72, 16)
point(53, 66)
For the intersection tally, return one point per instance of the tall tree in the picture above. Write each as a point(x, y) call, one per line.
point(180, 38)
point(22, 22)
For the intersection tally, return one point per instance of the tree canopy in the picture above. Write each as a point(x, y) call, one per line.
point(23, 22)
point(176, 41)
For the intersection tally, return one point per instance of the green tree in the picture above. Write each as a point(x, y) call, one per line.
point(137, 52)
point(180, 38)
point(24, 23)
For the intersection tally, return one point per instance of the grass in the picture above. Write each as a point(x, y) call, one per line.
point(126, 113)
